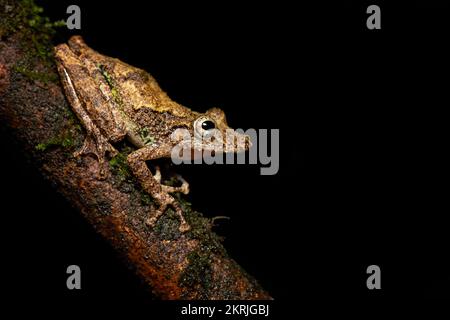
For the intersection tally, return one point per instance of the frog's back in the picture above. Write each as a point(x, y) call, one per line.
point(139, 89)
point(135, 87)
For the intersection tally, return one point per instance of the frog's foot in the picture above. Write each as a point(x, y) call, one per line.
point(152, 186)
point(166, 200)
point(184, 188)
point(97, 145)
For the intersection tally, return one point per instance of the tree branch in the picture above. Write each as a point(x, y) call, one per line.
point(193, 265)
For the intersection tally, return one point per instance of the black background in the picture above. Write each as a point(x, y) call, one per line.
point(362, 175)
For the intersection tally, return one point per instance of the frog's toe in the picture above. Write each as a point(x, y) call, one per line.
point(151, 221)
point(184, 227)
point(184, 188)
point(97, 146)
point(170, 189)
point(157, 175)
point(103, 169)
point(165, 201)
point(88, 147)
point(112, 152)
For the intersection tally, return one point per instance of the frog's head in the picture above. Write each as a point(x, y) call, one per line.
point(212, 133)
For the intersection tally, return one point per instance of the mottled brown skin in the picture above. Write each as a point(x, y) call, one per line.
point(115, 101)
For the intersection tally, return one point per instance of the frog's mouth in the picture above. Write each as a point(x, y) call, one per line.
point(216, 142)
point(236, 144)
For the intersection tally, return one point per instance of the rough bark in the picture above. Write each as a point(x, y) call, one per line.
point(193, 265)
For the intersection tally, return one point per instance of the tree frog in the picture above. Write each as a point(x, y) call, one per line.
point(116, 101)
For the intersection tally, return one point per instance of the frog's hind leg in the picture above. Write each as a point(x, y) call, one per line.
point(94, 68)
point(95, 142)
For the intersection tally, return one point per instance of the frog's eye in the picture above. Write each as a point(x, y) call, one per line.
point(204, 126)
point(208, 125)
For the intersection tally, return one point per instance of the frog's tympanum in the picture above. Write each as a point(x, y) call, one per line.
point(115, 101)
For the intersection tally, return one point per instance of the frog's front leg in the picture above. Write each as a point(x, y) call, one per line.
point(136, 160)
